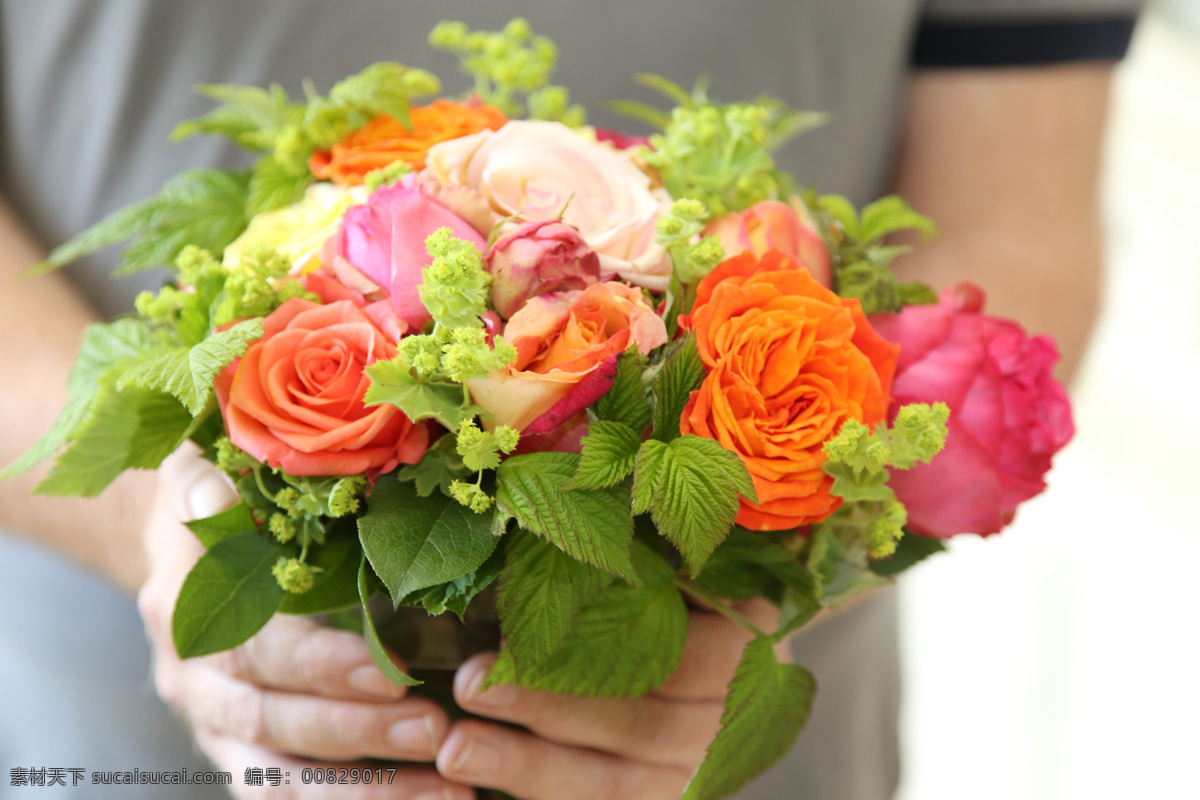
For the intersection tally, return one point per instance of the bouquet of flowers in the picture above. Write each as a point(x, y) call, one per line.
point(474, 341)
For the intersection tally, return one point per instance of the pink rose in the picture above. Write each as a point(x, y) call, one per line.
point(537, 258)
point(384, 239)
point(620, 139)
point(538, 169)
point(786, 227)
point(1008, 415)
point(567, 346)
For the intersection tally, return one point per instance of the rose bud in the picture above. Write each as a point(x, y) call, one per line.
point(537, 258)
point(785, 227)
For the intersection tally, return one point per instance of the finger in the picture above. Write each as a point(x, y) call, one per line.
point(298, 655)
point(649, 729)
point(525, 766)
point(710, 656)
point(394, 782)
point(411, 729)
point(197, 488)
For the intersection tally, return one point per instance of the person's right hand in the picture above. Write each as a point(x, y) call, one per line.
point(295, 691)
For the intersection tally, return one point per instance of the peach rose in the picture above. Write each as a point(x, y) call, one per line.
point(383, 140)
point(786, 227)
point(294, 400)
point(538, 169)
point(564, 342)
point(789, 362)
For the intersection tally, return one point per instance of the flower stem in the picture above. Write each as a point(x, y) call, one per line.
point(718, 605)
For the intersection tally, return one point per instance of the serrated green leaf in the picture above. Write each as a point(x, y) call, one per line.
point(915, 293)
point(63, 428)
point(438, 468)
point(691, 488)
point(607, 456)
point(680, 375)
point(233, 520)
point(541, 591)
point(124, 430)
point(767, 706)
point(378, 89)
point(626, 401)
point(273, 185)
point(593, 526)
point(843, 211)
point(379, 656)
point(457, 594)
point(228, 596)
point(910, 550)
point(749, 564)
point(623, 642)
point(250, 115)
point(336, 583)
point(392, 382)
point(414, 542)
point(872, 285)
point(189, 373)
point(890, 214)
point(113, 229)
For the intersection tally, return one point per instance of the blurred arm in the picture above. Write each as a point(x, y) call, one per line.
point(1007, 163)
point(41, 321)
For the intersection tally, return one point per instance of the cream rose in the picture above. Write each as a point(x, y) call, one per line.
point(536, 169)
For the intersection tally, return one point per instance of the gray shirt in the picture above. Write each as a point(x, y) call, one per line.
point(91, 90)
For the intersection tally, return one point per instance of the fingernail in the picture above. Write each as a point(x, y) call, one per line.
point(476, 760)
point(368, 680)
point(208, 496)
point(416, 736)
point(500, 696)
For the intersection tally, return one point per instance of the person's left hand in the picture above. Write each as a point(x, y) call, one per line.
point(596, 749)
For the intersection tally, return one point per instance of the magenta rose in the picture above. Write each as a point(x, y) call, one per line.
point(1008, 414)
point(384, 239)
point(537, 258)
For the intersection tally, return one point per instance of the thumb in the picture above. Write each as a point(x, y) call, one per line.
point(195, 488)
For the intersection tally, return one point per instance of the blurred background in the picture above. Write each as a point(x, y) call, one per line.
point(1061, 659)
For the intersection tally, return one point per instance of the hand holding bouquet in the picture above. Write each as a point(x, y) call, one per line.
point(440, 347)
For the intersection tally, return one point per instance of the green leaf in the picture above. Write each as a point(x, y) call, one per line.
point(394, 383)
point(665, 86)
point(915, 293)
point(336, 585)
point(767, 706)
point(874, 286)
point(625, 401)
point(250, 115)
point(654, 117)
point(457, 594)
point(383, 662)
point(593, 526)
point(623, 642)
point(750, 564)
point(680, 375)
point(188, 373)
point(113, 229)
point(890, 214)
point(608, 454)
point(203, 207)
point(124, 430)
point(843, 211)
point(541, 591)
point(233, 520)
point(438, 468)
point(910, 550)
point(228, 596)
point(273, 186)
point(691, 487)
point(414, 542)
point(378, 89)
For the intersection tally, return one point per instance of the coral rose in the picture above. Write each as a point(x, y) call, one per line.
point(383, 140)
point(538, 169)
point(567, 344)
point(786, 227)
point(789, 362)
point(294, 400)
point(1008, 415)
point(384, 239)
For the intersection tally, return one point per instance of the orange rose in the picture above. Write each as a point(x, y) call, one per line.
point(295, 399)
point(789, 362)
point(383, 140)
point(562, 340)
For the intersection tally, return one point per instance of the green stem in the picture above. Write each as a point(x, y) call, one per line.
point(717, 604)
point(262, 487)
